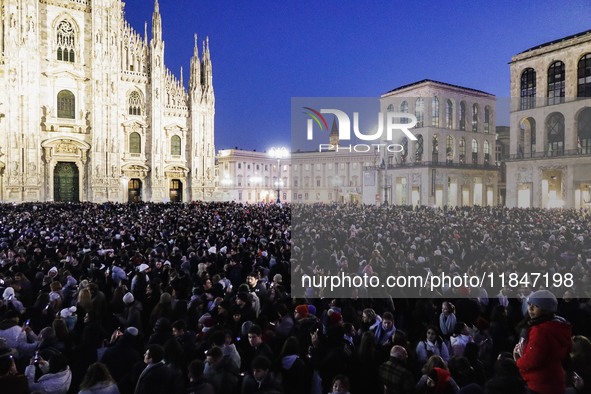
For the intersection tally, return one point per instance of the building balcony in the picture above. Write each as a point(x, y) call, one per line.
point(439, 164)
point(581, 152)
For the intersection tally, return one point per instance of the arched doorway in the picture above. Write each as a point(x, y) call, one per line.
point(134, 190)
point(65, 182)
point(176, 190)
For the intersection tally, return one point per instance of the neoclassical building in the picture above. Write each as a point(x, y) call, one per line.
point(90, 112)
point(550, 146)
point(452, 162)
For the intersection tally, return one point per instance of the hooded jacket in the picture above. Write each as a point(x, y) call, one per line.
point(54, 383)
point(547, 345)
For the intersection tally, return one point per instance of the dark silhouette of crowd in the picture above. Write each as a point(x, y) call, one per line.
point(197, 298)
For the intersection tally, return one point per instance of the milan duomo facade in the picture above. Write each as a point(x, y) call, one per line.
point(89, 111)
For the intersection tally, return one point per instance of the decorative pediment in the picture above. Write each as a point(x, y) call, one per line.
point(176, 170)
point(65, 147)
point(134, 123)
point(174, 128)
point(135, 170)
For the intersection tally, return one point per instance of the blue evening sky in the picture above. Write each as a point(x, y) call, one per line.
point(266, 52)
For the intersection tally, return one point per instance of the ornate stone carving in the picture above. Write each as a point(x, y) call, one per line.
point(66, 147)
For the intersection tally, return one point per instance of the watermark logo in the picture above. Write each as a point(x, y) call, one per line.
point(389, 122)
point(316, 117)
point(386, 121)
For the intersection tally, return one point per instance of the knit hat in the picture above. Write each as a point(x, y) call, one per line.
point(8, 292)
point(132, 331)
point(128, 298)
point(143, 267)
point(67, 312)
point(52, 270)
point(311, 309)
point(543, 299)
point(302, 310)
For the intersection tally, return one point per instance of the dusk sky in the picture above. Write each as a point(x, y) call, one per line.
point(266, 52)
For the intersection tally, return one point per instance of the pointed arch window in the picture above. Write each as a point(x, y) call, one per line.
point(135, 103)
point(135, 143)
point(556, 83)
point(474, 151)
point(584, 76)
point(475, 118)
point(528, 88)
point(175, 145)
point(66, 41)
point(486, 152)
point(66, 105)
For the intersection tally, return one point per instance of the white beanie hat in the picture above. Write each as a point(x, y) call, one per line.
point(128, 298)
point(67, 312)
point(8, 292)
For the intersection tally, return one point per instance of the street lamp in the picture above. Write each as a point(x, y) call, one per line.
point(279, 153)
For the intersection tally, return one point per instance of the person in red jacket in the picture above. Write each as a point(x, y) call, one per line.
point(545, 342)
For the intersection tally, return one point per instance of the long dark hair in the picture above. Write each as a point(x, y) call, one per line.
point(96, 373)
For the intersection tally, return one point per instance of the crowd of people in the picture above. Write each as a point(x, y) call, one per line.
point(197, 298)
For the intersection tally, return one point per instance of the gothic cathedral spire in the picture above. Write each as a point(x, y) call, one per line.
point(156, 24)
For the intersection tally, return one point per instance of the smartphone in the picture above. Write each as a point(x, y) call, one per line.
point(238, 338)
point(28, 322)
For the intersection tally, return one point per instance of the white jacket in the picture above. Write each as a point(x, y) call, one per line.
point(51, 383)
point(16, 338)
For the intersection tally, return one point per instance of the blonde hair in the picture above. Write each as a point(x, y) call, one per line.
point(85, 298)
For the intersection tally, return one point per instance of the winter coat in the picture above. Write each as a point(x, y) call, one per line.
point(155, 379)
point(16, 338)
point(540, 365)
point(50, 383)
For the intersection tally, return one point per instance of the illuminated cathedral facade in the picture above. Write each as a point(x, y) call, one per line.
point(90, 112)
